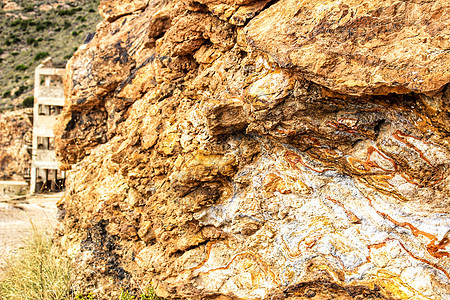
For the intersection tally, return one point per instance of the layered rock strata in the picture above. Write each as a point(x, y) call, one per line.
point(260, 150)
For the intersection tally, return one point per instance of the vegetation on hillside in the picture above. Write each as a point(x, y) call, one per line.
point(30, 34)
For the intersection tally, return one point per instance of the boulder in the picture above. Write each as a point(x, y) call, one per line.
point(260, 150)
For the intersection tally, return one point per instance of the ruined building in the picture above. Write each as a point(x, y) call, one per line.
point(48, 103)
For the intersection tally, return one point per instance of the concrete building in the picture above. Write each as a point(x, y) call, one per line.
point(48, 103)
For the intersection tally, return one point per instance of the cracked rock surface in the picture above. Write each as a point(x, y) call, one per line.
point(239, 149)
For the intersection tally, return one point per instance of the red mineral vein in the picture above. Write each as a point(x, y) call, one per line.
point(309, 244)
point(250, 256)
point(314, 141)
point(208, 253)
point(294, 159)
point(434, 265)
point(377, 245)
point(368, 164)
point(352, 217)
point(288, 250)
point(340, 127)
point(433, 249)
point(400, 136)
point(286, 131)
point(245, 254)
point(227, 266)
point(426, 261)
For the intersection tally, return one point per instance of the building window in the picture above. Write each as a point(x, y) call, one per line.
point(45, 143)
point(49, 110)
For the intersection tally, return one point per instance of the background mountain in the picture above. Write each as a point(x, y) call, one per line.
point(32, 30)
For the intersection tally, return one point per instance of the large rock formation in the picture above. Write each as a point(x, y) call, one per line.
point(16, 131)
point(260, 150)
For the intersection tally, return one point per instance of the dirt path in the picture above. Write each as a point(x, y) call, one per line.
point(18, 217)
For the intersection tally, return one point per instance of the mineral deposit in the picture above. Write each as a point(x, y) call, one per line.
point(241, 149)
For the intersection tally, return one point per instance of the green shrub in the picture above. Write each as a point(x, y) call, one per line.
point(40, 56)
point(40, 27)
point(81, 18)
point(16, 23)
point(28, 101)
point(75, 33)
point(13, 39)
point(67, 24)
point(31, 40)
point(7, 94)
point(69, 12)
point(8, 42)
point(20, 91)
point(2, 51)
point(14, 53)
point(22, 23)
point(34, 273)
point(21, 67)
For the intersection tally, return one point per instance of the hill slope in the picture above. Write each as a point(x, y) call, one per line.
point(32, 30)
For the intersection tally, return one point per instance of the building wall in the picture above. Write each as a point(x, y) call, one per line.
point(48, 103)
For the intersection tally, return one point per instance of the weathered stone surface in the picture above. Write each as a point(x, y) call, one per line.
point(359, 47)
point(207, 162)
point(11, 6)
point(15, 136)
point(111, 10)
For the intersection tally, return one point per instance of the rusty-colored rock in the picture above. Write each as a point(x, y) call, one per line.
point(16, 132)
point(359, 47)
point(260, 150)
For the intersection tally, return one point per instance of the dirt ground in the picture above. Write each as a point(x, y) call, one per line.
point(19, 216)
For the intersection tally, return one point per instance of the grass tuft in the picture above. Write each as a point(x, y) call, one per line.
point(34, 273)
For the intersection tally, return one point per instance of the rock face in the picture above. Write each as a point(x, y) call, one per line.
point(260, 150)
point(16, 132)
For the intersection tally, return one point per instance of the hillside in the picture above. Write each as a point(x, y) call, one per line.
point(32, 30)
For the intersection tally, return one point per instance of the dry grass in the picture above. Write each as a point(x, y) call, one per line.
point(34, 273)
